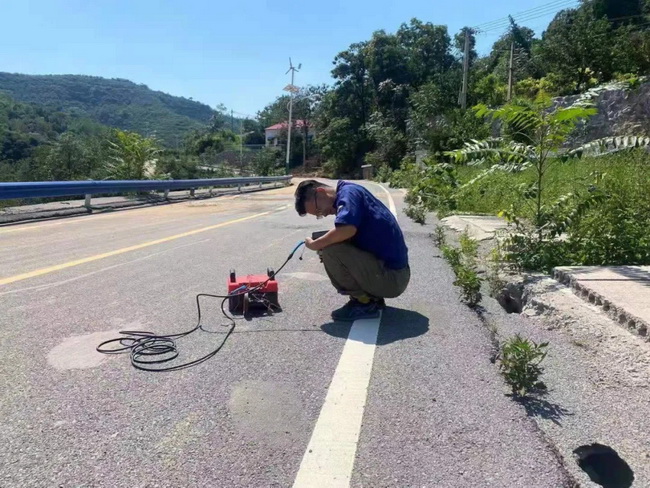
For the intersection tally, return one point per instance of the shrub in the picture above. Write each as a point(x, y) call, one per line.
point(408, 174)
point(463, 261)
point(452, 255)
point(435, 188)
point(417, 212)
point(439, 236)
point(520, 364)
point(468, 280)
point(383, 173)
point(268, 162)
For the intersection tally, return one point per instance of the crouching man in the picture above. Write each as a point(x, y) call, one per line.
point(364, 254)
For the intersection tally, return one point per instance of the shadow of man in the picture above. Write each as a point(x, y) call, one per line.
point(397, 324)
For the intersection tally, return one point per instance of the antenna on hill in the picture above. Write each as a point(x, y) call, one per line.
point(292, 89)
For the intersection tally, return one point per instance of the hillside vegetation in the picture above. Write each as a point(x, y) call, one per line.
point(115, 103)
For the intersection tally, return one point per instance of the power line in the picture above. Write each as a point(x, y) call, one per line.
point(521, 20)
point(555, 4)
point(494, 33)
point(537, 15)
point(638, 28)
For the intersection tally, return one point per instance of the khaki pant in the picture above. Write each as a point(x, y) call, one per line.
point(360, 274)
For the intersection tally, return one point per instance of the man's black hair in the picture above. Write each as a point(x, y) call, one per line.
point(306, 190)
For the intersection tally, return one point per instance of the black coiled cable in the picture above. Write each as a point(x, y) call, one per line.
point(147, 349)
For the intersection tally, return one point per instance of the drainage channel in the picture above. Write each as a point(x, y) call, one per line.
point(601, 463)
point(511, 298)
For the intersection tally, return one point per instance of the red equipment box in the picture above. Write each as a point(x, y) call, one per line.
point(253, 292)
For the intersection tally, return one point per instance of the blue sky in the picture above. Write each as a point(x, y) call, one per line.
point(216, 51)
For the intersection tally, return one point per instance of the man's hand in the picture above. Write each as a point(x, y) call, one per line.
point(334, 236)
point(310, 244)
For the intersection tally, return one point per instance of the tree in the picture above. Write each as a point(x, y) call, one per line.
point(499, 59)
point(386, 60)
point(576, 47)
point(352, 87)
point(268, 161)
point(390, 143)
point(340, 146)
point(631, 50)
point(178, 165)
point(490, 90)
point(459, 44)
point(619, 12)
point(218, 120)
point(306, 105)
point(69, 158)
point(253, 132)
point(275, 112)
point(428, 51)
point(132, 157)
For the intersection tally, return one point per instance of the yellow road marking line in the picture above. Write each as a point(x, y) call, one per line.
point(89, 259)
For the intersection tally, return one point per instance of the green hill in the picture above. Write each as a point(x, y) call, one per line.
point(113, 102)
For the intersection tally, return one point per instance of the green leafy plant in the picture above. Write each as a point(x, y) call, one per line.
point(416, 211)
point(132, 157)
point(407, 175)
point(610, 145)
point(614, 229)
point(519, 362)
point(435, 189)
point(468, 247)
point(534, 134)
point(496, 282)
point(470, 284)
point(463, 260)
point(439, 236)
point(452, 255)
point(383, 173)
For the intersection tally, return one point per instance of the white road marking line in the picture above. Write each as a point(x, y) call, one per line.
point(391, 202)
point(329, 459)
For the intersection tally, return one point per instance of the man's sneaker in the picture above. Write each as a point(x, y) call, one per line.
point(353, 302)
point(355, 310)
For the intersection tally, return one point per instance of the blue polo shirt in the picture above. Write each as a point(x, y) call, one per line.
point(377, 229)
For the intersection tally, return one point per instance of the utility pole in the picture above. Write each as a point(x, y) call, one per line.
point(463, 95)
point(232, 121)
point(291, 89)
point(510, 71)
point(241, 149)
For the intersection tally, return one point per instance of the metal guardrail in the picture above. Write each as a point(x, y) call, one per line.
point(43, 189)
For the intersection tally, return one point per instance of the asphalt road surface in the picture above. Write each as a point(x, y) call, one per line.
point(290, 400)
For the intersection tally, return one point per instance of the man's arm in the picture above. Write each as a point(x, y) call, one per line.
point(338, 234)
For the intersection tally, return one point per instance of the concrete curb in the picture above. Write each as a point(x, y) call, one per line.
point(624, 318)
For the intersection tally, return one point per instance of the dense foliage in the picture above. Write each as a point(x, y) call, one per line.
point(399, 92)
point(40, 143)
